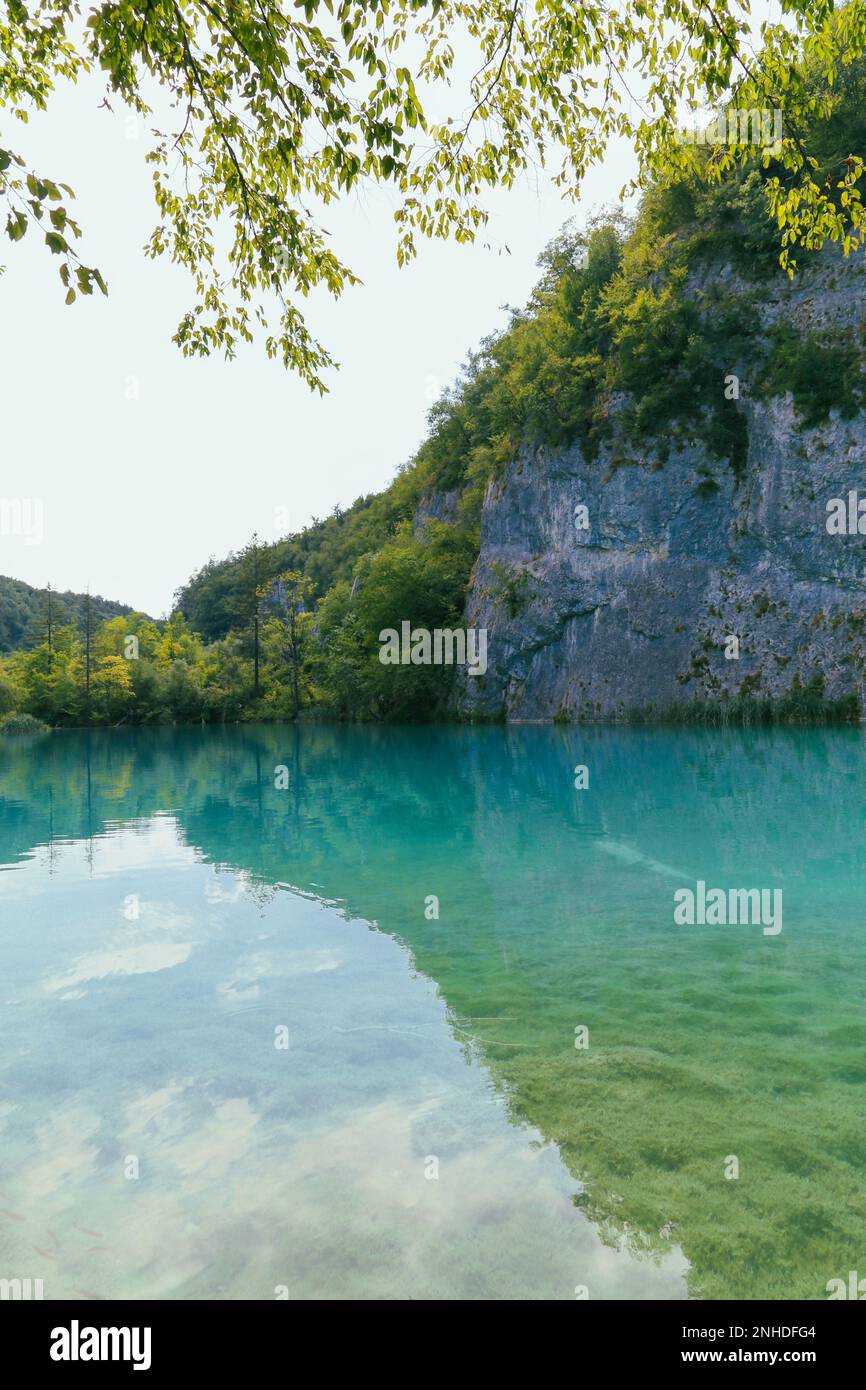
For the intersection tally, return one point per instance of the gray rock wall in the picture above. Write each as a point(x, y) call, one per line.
point(634, 612)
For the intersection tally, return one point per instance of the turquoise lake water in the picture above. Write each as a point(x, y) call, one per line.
point(242, 1056)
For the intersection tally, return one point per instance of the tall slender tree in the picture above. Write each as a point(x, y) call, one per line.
point(49, 626)
point(245, 605)
point(288, 596)
point(255, 584)
point(88, 648)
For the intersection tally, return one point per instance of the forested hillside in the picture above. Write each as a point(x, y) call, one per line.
point(22, 610)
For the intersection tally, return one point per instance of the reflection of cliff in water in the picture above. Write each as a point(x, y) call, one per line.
point(555, 911)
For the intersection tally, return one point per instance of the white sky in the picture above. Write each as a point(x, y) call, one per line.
point(139, 493)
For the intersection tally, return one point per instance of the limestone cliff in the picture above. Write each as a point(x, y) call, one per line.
point(634, 610)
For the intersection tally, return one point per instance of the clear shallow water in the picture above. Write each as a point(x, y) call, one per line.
point(164, 908)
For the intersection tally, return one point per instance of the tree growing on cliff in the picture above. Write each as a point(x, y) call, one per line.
point(262, 112)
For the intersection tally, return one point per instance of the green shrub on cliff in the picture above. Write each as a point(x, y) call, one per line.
point(823, 373)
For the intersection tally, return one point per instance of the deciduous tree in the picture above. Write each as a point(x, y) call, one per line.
point(262, 112)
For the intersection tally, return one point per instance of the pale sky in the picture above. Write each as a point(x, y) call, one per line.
point(138, 493)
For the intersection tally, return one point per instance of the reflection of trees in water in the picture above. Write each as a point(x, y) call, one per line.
point(260, 892)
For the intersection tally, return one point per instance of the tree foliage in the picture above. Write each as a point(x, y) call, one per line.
point(262, 112)
point(24, 609)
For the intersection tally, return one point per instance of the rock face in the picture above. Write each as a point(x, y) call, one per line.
point(635, 611)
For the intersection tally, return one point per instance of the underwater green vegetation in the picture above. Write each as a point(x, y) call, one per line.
point(556, 914)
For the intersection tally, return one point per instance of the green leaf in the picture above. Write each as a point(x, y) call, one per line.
point(16, 226)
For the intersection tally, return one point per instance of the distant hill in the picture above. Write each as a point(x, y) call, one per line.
point(22, 606)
